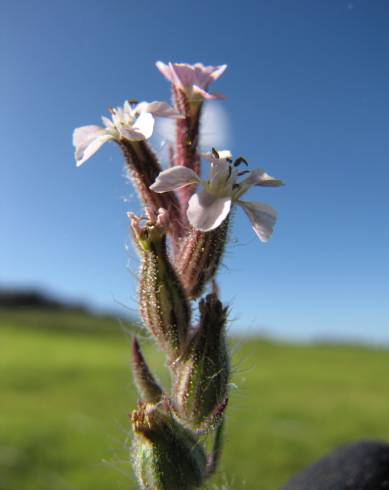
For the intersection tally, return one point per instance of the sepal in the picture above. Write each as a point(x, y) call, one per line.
point(166, 456)
point(164, 307)
point(202, 374)
point(148, 388)
point(199, 257)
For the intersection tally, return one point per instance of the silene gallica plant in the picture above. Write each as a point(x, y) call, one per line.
point(180, 240)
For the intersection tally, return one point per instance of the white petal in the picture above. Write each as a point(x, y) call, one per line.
point(93, 147)
point(87, 140)
point(262, 218)
point(159, 109)
point(142, 129)
point(174, 178)
point(206, 212)
point(107, 122)
point(84, 135)
point(223, 155)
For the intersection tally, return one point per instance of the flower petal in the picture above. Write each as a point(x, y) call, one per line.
point(206, 95)
point(87, 140)
point(262, 218)
point(159, 109)
point(84, 135)
point(260, 177)
point(165, 70)
point(206, 212)
point(223, 155)
point(174, 178)
point(142, 129)
point(218, 71)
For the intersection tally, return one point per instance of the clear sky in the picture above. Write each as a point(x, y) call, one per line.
point(307, 89)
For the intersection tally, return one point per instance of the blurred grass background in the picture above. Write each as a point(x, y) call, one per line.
point(66, 391)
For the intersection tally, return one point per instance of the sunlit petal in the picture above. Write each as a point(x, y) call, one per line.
point(206, 212)
point(143, 127)
point(159, 109)
point(92, 148)
point(260, 177)
point(174, 178)
point(262, 218)
point(87, 140)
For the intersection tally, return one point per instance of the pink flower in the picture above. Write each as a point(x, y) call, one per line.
point(194, 80)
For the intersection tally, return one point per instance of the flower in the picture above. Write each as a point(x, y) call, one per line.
point(210, 206)
point(194, 80)
point(134, 121)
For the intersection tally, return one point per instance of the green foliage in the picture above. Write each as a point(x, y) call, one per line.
point(65, 398)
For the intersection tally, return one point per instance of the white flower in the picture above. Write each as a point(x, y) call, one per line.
point(210, 206)
point(194, 80)
point(133, 121)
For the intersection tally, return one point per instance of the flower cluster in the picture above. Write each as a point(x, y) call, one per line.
point(180, 240)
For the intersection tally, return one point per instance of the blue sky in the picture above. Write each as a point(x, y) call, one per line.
point(307, 99)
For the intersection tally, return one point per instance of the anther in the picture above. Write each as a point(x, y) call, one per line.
point(240, 160)
point(239, 174)
point(215, 153)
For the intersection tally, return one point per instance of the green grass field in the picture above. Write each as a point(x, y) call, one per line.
point(66, 391)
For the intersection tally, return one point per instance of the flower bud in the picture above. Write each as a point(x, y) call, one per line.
point(199, 257)
point(165, 455)
point(201, 383)
point(144, 168)
point(163, 305)
point(148, 388)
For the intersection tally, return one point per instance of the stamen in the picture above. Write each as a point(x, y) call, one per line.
point(229, 172)
point(133, 101)
point(236, 186)
point(215, 153)
point(111, 110)
point(240, 160)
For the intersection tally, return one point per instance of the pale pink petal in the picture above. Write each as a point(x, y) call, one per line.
point(262, 218)
point(174, 178)
point(260, 177)
point(184, 73)
point(206, 95)
point(165, 70)
point(206, 212)
point(87, 140)
point(218, 71)
point(159, 109)
point(92, 148)
point(84, 135)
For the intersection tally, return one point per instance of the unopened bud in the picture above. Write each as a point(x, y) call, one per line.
point(202, 376)
point(165, 455)
point(199, 257)
point(144, 168)
point(163, 304)
point(148, 388)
